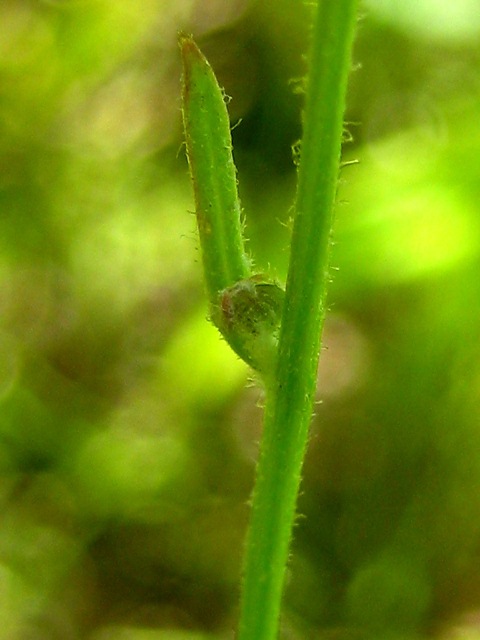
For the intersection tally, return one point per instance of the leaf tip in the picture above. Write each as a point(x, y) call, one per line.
point(189, 49)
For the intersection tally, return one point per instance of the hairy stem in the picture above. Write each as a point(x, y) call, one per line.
point(289, 400)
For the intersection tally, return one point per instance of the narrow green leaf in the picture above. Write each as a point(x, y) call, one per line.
point(246, 309)
point(213, 173)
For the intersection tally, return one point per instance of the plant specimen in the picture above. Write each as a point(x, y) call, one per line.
point(276, 332)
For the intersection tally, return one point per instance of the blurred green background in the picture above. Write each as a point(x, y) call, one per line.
point(128, 432)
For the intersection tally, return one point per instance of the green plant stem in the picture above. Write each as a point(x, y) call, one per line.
point(213, 173)
point(289, 401)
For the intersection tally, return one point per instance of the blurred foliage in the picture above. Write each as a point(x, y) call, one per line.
point(127, 431)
